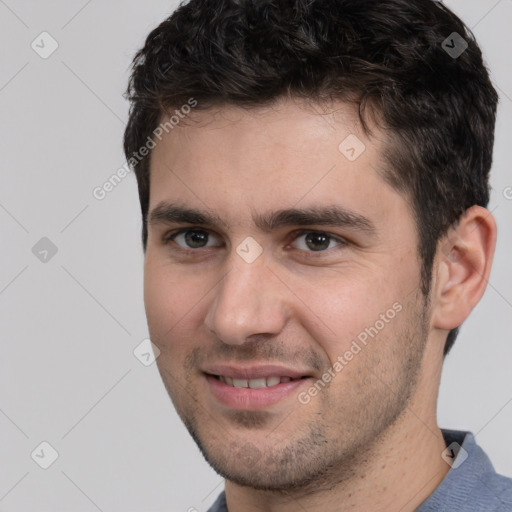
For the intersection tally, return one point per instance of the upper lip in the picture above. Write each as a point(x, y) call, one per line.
point(254, 371)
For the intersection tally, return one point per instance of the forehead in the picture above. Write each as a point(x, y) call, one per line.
point(241, 162)
point(278, 128)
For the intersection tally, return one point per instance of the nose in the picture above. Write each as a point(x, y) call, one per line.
point(249, 300)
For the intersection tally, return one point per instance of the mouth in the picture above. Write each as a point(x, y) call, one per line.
point(253, 388)
point(257, 383)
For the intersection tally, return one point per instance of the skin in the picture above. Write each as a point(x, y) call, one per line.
point(369, 439)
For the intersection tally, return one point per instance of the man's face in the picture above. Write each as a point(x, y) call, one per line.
point(300, 280)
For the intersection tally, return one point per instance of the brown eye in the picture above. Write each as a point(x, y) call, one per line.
point(315, 241)
point(195, 239)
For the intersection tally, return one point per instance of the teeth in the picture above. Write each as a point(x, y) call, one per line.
point(258, 383)
point(253, 383)
point(273, 381)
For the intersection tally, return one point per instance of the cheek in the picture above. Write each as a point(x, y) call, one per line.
point(337, 308)
point(363, 322)
point(168, 301)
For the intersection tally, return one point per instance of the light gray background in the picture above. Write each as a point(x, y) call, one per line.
point(69, 326)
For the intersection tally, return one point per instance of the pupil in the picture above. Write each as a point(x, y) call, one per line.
point(317, 241)
point(196, 238)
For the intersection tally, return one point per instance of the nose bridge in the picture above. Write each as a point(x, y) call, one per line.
point(248, 301)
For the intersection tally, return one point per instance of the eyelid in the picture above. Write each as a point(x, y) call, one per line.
point(171, 235)
point(299, 232)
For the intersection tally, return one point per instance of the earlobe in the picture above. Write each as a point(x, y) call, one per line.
point(463, 266)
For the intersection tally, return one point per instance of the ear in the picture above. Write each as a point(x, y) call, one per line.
point(464, 259)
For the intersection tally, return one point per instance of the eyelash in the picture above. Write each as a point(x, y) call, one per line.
point(169, 237)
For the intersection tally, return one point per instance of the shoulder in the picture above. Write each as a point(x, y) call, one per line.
point(497, 489)
point(472, 484)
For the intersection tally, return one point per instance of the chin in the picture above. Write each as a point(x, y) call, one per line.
point(282, 468)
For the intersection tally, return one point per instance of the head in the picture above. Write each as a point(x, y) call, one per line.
point(262, 94)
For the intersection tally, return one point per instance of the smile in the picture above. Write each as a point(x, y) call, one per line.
point(243, 390)
point(259, 383)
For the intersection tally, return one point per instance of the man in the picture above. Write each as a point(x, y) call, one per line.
point(313, 177)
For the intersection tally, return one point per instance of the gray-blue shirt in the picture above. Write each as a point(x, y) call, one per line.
point(471, 485)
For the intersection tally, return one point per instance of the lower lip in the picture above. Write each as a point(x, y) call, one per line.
point(247, 398)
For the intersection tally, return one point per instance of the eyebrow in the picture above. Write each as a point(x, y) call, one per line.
point(330, 216)
point(167, 213)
